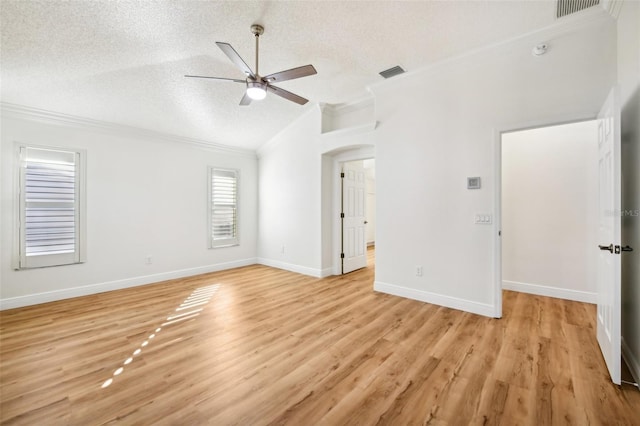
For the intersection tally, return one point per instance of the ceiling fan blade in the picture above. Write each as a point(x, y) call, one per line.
point(235, 58)
point(291, 74)
point(287, 95)
point(246, 100)
point(217, 78)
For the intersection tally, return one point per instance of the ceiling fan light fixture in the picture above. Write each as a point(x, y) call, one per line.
point(256, 91)
point(258, 86)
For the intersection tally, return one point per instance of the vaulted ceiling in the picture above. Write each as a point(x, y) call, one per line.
point(124, 61)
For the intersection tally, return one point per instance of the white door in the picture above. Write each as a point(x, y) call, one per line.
point(354, 233)
point(608, 312)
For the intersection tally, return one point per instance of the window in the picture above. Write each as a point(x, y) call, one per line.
point(223, 207)
point(51, 204)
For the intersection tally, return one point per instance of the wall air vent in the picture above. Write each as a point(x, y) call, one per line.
point(567, 7)
point(392, 72)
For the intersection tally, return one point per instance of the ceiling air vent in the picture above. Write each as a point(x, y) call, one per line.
point(392, 72)
point(567, 7)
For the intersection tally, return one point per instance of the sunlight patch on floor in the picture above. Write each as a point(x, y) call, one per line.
point(199, 297)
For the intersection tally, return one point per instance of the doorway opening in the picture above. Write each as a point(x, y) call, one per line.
point(549, 210)
point(357, 214)
point(556, 201)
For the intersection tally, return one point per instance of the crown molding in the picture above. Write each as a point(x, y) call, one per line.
point(613, 7)
point(50, 117)
point(589, 18)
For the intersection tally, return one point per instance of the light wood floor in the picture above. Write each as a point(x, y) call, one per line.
point(274, 347)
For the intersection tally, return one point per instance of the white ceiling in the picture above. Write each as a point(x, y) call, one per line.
point(123, 62)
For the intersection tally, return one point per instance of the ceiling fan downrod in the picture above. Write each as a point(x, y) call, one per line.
point(257, 31)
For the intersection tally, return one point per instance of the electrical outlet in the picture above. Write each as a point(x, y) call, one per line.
point(418, 271)
point(148, 259)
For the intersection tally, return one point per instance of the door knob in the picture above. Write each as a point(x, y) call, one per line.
point(609, 247)
point(365, 222)
point(626, 248)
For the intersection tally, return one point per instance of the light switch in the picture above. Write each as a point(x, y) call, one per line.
point(483, 219)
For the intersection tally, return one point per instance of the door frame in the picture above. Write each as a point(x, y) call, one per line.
point(498, 131)
point(362, 153)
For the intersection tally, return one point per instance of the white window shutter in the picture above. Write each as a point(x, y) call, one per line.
point(223, 214)
point(49, 207)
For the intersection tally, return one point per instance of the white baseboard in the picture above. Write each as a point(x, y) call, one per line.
point(326, 272)
point(557, 292)
point(67, 293)
point(317, 273)
point(436, 299)
point(632, 361)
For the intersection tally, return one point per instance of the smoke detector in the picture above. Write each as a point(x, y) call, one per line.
point(540, 49)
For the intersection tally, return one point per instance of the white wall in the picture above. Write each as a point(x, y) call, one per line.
point(290, 220)
point(370, 169)
point(629, 80)
point(145, 196)
point(549, 211)
point(439, 126)
point(431, 130)
point(298, 193)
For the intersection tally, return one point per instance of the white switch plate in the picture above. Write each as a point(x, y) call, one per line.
point(483, 219)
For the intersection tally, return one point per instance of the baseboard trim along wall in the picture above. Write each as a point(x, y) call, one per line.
point(313, 272)
point(68, 293)
point(543, 290)
point(632, 362)
point(436, 299)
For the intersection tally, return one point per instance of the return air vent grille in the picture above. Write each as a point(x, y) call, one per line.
point(567, 7)
point(392, 72)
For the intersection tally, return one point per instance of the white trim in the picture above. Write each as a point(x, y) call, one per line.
point(67, 293)
point(497, 227)
point(313, 272)
point(632, 362)
point(549, 291)
point(568, 24)
point(326, 272)
point(612, 7)
point(436, 299)
point(50, 117)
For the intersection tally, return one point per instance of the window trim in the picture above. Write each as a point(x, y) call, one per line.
point(227, 242)
point(50, 260)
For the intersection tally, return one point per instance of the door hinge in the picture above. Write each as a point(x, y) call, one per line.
point(342, 175)
point(341, 255)
point(341, 215)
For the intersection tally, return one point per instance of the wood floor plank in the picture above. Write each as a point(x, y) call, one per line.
point(262, 346)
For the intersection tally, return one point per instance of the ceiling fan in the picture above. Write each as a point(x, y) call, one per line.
point(257, 85)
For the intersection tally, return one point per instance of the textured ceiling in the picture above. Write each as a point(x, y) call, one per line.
point(123, 62)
